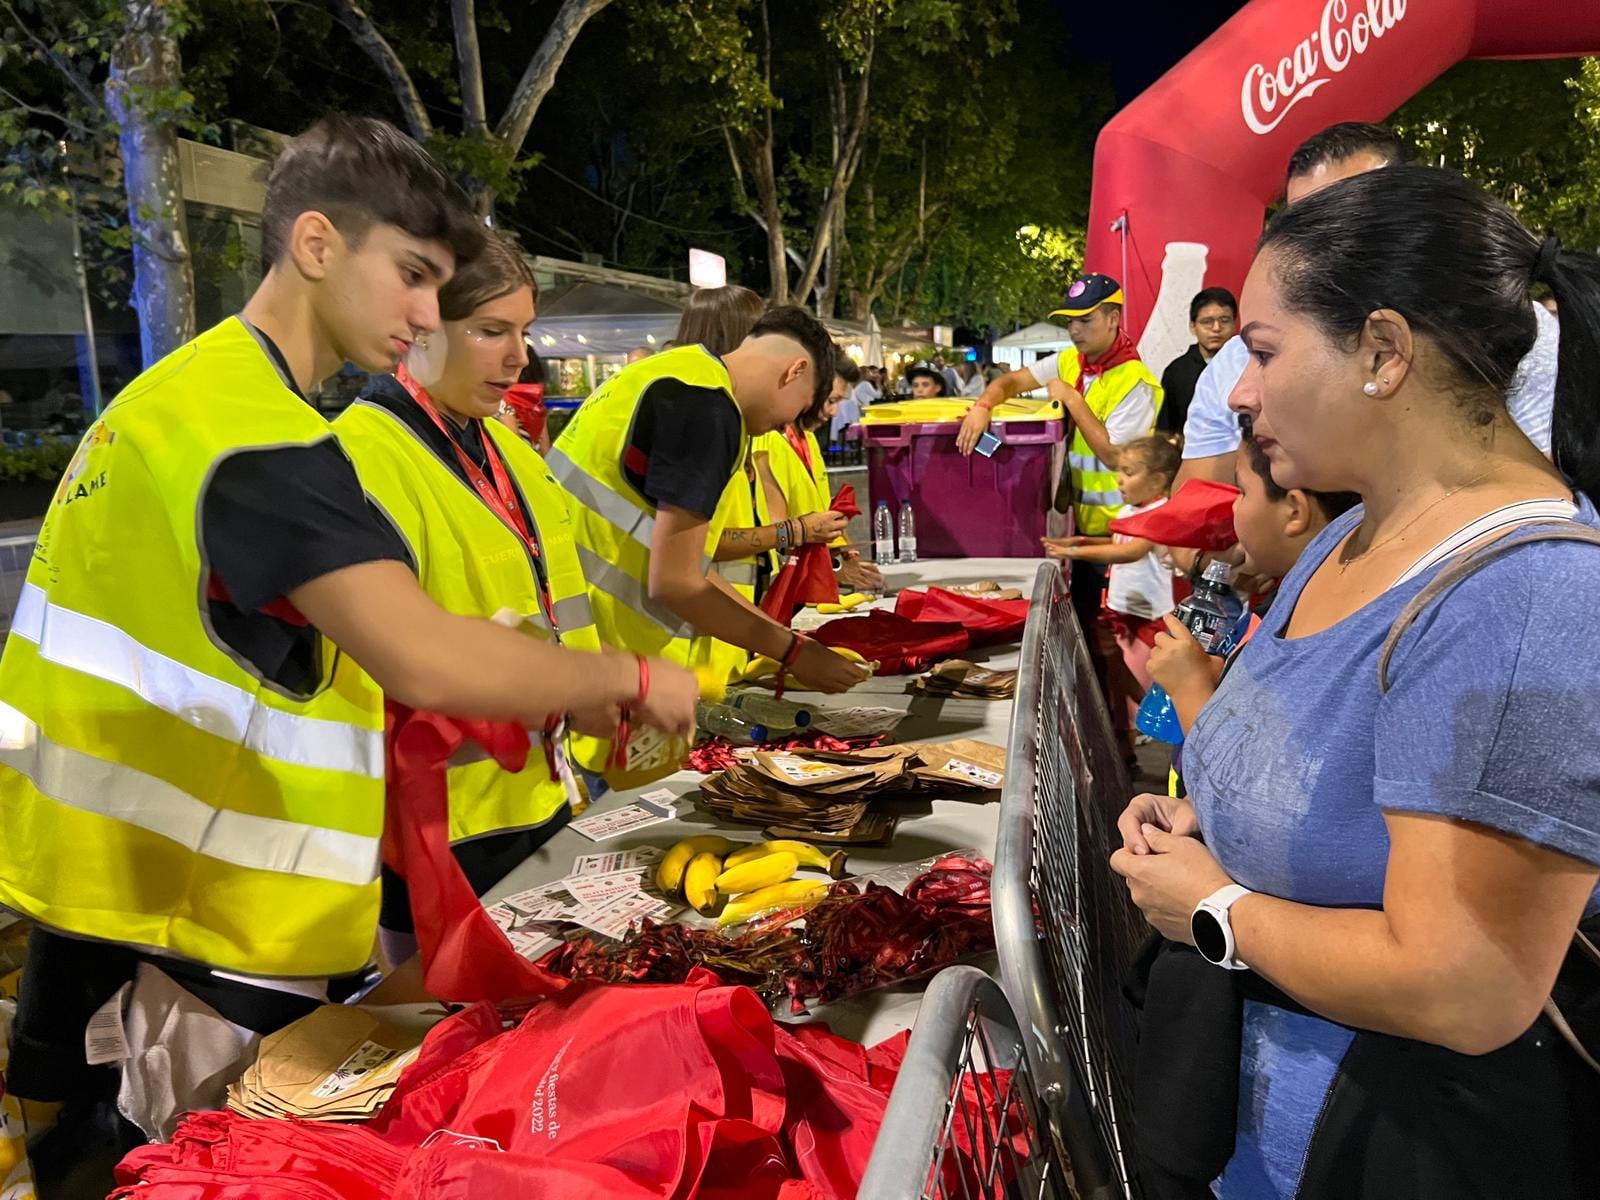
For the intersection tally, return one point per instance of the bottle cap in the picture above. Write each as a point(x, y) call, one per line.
point(1218, 571)
point(802, 718)
point(758, 733)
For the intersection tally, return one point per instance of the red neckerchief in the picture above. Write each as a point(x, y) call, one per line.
point(501, 499)
point(798, 441)
point(1122, 351)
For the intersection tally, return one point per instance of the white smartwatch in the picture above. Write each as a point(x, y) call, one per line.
point(1213, 932)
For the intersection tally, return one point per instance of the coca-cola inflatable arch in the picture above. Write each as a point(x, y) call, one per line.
point(1199, 156)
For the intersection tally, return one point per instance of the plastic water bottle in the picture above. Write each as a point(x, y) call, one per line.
point(770, 711)
point(1217, 618)
point(908, 533)
point(883, 533)
point(729, 723)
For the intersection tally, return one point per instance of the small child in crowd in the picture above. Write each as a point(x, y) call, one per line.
point(1139, 591)
point(1274, 526)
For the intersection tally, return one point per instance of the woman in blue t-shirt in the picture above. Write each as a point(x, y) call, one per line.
point(1402, 869)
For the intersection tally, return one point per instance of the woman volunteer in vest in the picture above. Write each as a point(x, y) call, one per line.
point(794, 479)
point(1397, 782)
point(488, 533)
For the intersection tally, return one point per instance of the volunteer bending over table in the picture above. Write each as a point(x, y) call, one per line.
point(191, 733)
point(487, 531)
point(1398, 782)
point(794, 479)
point(646, 461)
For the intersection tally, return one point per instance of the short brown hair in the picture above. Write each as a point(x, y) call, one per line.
point(1159, 454)
point(719, 318)
point(498, 270)
point(360, 172)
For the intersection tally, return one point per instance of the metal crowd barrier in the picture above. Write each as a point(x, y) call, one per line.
point(964, 1118)
point(1064, 926)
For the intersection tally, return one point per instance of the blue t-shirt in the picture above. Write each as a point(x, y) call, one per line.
point(1490, 717)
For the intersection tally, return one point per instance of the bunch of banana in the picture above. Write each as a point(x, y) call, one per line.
point(716, 876)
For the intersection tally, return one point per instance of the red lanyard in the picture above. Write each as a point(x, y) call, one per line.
point(501, 498)
point(798, 441)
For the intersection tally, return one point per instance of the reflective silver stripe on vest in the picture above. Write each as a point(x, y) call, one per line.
point(102, 650)
point(629, 519)
point(742, 572)
point(1101, 499)
point(625, 590)
point(123, 793)
point(1086, 462)
point(574, 613)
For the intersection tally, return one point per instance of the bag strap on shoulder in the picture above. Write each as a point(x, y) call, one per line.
point(1467, 563)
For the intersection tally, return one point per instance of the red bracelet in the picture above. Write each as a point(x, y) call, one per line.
point(792, 653)
point(619, 745)
point(644, 681)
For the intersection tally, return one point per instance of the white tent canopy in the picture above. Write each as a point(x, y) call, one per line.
point(582, 319)
point(1030, 345)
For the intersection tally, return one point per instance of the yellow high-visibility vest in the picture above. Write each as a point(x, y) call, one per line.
point(475, 565)
point(736, 510)
point(1094, 485)
point(154, 790)
point(613, 524)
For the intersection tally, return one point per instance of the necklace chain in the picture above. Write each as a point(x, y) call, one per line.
point(1344, 563)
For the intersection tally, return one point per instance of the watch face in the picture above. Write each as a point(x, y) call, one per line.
point(1208, 936)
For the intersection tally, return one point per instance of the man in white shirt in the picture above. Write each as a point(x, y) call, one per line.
point(1211, 433)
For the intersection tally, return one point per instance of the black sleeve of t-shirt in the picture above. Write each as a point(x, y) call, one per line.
point(271, 520)
point(690, 435)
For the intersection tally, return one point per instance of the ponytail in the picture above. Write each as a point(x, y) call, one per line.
point(1575, 423)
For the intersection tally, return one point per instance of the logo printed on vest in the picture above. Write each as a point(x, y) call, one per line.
point(1342, 37)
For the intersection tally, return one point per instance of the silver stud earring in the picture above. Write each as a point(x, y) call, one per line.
point(1370, 389)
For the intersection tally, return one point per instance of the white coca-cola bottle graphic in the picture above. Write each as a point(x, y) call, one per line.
point(1166, 334)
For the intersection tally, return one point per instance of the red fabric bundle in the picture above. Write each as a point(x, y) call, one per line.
point(465, 956)
point(809, 579)
point(221, 1156)
point(925, 627)
point(1199, 516)
point(732, 1106)
point(899, 645)
point(526, 400)
point(987, 622)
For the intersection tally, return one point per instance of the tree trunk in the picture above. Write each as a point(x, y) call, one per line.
point(145, 68)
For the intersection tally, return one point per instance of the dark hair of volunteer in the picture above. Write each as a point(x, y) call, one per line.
point(720, 318)
point(1397, 782)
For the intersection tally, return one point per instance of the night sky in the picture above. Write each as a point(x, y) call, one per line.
point(1139, 41)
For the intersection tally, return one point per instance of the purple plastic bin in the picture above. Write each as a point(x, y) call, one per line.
point(973, 507)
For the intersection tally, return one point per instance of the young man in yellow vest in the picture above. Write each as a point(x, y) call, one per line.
point(1112, 399)
point(647, 460)
point(191, 696)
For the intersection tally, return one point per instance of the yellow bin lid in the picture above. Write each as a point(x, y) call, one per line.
point(944, 410)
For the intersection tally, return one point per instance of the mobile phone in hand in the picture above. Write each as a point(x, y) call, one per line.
point(988, 443)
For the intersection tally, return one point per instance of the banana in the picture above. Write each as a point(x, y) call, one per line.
point(700, 883)
point(797, 893)
point(669, 871)
point(804, 852)
point(758, 873)
point(760, 667)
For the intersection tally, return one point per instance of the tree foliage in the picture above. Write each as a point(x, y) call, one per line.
point(1528, 131)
